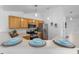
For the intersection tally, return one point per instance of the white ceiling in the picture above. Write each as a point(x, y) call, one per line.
point(27, 8)
point(73, 8)
point(43, 8)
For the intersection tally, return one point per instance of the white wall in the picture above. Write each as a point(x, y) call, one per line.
point(56, 16)
point(4, 19)
point(73, 26)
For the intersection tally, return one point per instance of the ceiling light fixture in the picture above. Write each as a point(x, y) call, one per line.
point(70, 15)
point(70, 18)
point(36, 14)
point(48, 18)
point(48, 11)
point(36, 10)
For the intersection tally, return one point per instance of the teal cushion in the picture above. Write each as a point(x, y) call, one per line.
point(12, 41)
point(37, 42)
point(64, 42)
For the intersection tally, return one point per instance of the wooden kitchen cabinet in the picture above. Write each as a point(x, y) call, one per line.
point(18, 22)
point(40, 35)
point(24, 23)
point(14, 22)
point(39, 23)
point(29, 20)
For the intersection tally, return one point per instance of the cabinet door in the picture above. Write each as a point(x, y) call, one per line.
point(36, 23)
point(24, 23)
point(39, 23)
point(14, 22)
point(30, 20)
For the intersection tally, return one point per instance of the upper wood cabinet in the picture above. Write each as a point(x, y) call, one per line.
point(39, 23)
point(14, 22)
point(29, 20)
point(25, 22)
point(22, 23)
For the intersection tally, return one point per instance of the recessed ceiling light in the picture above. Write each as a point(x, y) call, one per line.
point(48, 18)
point(36, 14)
point(70, 18)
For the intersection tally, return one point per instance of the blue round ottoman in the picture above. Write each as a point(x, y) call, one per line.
point(37, 42)
point(12, 41)
point(64, 43)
